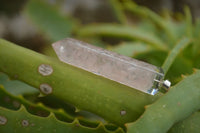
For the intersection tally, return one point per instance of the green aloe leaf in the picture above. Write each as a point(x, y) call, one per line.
point(121, 31)
point(130, 48)
point(118, 12)
point(20, 87)
point(158, 20)
point(183, 43)
point(155, 57)
point(179, 66)
point(16, 87)
point(49, 19)
point(22, 121)
point(189, 26)
point(189, 125)
point(180, 102)
point(13, 102)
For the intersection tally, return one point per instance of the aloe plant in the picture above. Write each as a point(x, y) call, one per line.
point(164, 42)
point(119, 118)
point(72, 90)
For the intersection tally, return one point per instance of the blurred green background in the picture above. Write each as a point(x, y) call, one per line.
point(142, 29)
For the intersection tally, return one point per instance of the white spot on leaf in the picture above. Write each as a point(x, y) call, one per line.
point(122, 112)
point(45, 69)
point(46, 89)
point(25, 123)
point(3, 120)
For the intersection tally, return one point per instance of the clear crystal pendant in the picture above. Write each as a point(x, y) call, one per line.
point(125, 70)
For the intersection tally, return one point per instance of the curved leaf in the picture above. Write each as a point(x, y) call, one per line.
point(183, 43)
point(20, 87)
point(121, 31)
point(189, 125)
point(146, 13)
point(129, 48)
point(14, 102)
point(118, 12)
point(181, 101)
point(22, 121)
point(49, 19)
